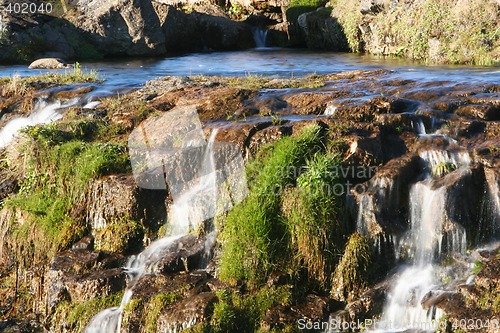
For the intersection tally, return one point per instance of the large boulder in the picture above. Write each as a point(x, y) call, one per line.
point(321, 31)
point(199, 31)
point(120, 27)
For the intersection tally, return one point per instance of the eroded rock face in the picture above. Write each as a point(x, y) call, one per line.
point(82, 274)
point(115, 204)
point(188, 312)
point(120, 27)
point(322, 31)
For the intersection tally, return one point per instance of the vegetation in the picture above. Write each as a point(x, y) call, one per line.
point(243, 313)
point(352, 276)
point(450, 31)
point(76, 316)
point(57, 163)
point(154, 308)
point(257, 82)
point(441, 169)
point(255, 232)
point(17, 86)
point(292, 219)
point(313, 212)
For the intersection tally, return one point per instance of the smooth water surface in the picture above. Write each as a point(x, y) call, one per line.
point(287, 63)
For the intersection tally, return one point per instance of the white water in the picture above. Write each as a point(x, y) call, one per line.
point(419, 126)
point(424, 244)
point(260, 37)
point(42, 113)
point(187, 213)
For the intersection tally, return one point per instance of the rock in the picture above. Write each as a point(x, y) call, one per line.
point(488, 112)
point(380, 206)
point(121, 27)
point(200, 31)
point(49, 63)
point(367, 111)
point(184, 254)
point(116, 199)
point(22, 326)
point(312, 308)
point(322, 31)
point(186, 313)
point(81, 274)
point(368, 305)
point(96, 284)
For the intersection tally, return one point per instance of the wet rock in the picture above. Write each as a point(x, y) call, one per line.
point(241, 133)
point(365, 151)
point(307, 102)
point(81, 275)
point(86, 243)
point(478, 301)
point(381, 208)
point(95, 284)
point(7, 187)
point(186, 313)
point(184, 255)
point(312, 308)
point(22, 326)
point(482, 111)
point(184, 282)
point(464, 192)
point(49, 63)
point(369, 110)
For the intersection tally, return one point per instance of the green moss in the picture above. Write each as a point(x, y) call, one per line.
point(349, 17)
point(120, 236)
point(77, 315)
point(55, 177)
point(465, 32)
point(351, 275)
point(154, 307)
point(254, 235)
point(243, 313)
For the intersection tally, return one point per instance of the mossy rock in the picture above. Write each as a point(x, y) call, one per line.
point(352, 274)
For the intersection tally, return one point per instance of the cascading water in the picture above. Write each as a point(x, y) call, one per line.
point(260, 37)
point(429, 227)
point(43, 113)
point(188, 211)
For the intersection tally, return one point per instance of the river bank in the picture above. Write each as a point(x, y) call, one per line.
point(335, 164)
point(446, 33)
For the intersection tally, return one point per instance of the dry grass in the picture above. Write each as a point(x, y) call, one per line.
point(446, 31)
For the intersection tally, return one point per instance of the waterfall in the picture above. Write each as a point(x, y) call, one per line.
point(190, 208)
point(260, 37)
point(419, 126)
point(431, 236)
point(43, 112)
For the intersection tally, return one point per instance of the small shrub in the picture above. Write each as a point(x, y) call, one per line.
point(441, 169)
